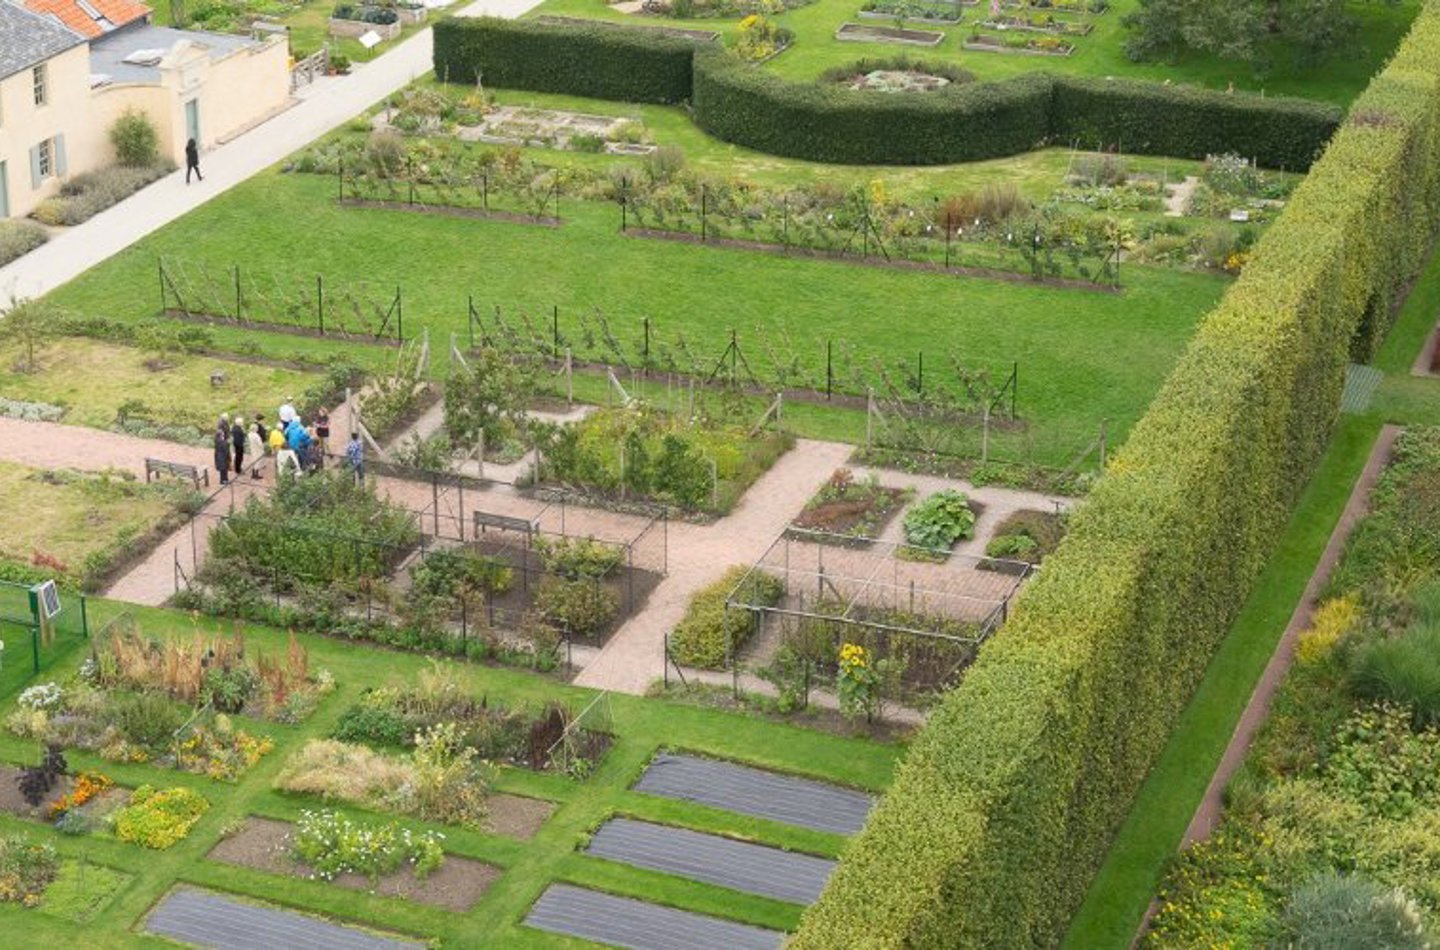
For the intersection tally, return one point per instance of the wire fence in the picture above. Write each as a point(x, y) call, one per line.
point(919, 616)
point(480, 570)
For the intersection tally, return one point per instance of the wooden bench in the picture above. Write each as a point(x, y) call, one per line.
point(485, 520)
point(197, 474)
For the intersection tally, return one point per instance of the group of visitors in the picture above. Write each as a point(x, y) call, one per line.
point(297, 448)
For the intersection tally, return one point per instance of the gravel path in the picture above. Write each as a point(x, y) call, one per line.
point(700, 554)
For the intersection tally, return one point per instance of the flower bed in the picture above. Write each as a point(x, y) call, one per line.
point(1038, 23)
point(159, 818)
point(135, 701)
point(83, 196)
point(18, 238)
point(353, 21)
point(1330, 834)
point(860, 33)
point(1030, 46)
point(926, 11)
point(851, 511)
point(398, 717)
point(26, 869)
point(384, 859)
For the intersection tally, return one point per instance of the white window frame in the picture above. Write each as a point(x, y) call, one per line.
point(40, 77)
point(47, 159)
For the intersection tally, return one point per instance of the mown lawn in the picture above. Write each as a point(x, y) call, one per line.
point(92, 379)
point(642, 727)
point(1084, 356)
point(1101, 53)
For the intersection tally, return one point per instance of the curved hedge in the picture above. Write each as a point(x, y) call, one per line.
point(1006, 804)
point(822, 122)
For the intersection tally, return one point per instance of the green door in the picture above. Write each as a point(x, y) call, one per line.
point(192, 120)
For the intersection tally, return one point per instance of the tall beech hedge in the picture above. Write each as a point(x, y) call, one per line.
point(600, 61)
point(1004, 807)
point(961, 122)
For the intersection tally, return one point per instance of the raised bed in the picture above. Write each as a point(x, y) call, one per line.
point(851, 513)
point(265, 845)
point(994, 44)
point(861, 33)
point(877, 15)
point(410, 16)
point(1054, 28)
point(354, 29)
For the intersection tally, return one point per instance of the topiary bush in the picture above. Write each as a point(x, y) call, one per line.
point(709, 633)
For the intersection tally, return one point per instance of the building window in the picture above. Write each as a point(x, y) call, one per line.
point(42, 93)
point(45, 158)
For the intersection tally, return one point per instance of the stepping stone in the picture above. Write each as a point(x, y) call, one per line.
point(739, 865)
point(205, 919)
point(756, 792)
point(625, 922)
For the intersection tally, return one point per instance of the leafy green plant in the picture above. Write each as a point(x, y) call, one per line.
point(936, 523)
point(584, 607)
point(26, 869)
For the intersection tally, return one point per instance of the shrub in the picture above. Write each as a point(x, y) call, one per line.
point(1340, 911)
point(1332, 620)
point(161, 818)
point(598, 60)
point(1007, 800)
point(18, 238)
point(337, 770)
point(709, 634)
point(87, 194)
point(870, 64)
point(373, 724)
point(582, 607)
point(939, 521)
point(1405, 670)
point(134, 139)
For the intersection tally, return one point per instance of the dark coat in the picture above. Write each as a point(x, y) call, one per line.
point(237, 436)
point(192, 153)
point(222, 448)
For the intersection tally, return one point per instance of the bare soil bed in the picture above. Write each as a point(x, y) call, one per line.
point(516, 816)
point(264, 845)
point(862, 33)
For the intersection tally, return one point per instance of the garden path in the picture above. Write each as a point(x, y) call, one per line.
point(1179, 197)
point(633, 658)
point(322, 107)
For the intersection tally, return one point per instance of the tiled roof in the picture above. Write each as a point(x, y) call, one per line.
point(91, 18)
point(27, 39)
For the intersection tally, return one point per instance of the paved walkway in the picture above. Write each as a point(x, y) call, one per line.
point(634, 656)
point(324, 106)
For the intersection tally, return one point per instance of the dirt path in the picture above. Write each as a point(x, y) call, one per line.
point(634, 656)
point(1179, 198)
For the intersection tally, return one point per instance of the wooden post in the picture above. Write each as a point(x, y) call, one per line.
point(985, 436)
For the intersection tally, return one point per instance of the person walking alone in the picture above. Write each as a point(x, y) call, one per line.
point(222, 450)
point(237, 438)
point(192, 161)
point(355, 456)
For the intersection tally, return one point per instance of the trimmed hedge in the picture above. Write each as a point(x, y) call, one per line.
point(823, 122)
point(703, 637)
point(599, 61)
point(1006, 804)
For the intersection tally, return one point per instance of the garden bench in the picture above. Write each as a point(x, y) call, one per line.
point(485, 520)
point(196, 473)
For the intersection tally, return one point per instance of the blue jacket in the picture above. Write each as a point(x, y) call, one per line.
point(297, 437)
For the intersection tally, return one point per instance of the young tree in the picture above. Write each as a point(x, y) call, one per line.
point(134, 138)
point(1244, 30)
point(29, 323)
